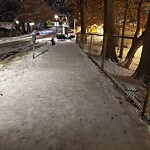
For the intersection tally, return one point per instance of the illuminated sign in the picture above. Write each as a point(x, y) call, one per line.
point(48, 23)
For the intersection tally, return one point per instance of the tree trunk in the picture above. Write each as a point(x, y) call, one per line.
point(143, 70)
point(109, 28)
point(83, 24)
point(128, 2)
point(10, 33)
point(136, 42)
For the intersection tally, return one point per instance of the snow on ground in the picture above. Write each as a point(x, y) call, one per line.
point(11, 39)
point(133, 88)
point(27, 36)
point(60, 100)
point(10, 49)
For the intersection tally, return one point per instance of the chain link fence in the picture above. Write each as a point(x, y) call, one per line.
point(134, 89)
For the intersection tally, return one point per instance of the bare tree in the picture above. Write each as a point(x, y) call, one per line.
point(28, 11)
point(127, 5)
point(143, 70)
point(137, 40)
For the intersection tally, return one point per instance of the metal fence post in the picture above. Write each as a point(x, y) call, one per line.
point(77, 38)
point(83, 46)
point(104, 49)
point(33, 50)
point(147, 98)
point(91, 45)
point(33, 41)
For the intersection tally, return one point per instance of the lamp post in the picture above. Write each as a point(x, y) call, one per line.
point(61, 25)
point(17, 27)
point(56, 17)
point(75, 25)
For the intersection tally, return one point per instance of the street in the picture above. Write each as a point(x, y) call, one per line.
point(10, 48)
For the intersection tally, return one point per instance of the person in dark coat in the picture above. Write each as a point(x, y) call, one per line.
point(53, 42)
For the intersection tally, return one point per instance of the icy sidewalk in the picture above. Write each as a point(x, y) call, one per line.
point(60, 101)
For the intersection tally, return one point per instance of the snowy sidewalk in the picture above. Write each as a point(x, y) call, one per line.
point(60, 101)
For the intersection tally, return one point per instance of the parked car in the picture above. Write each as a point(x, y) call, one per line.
point(61, 36)
point(71, 34)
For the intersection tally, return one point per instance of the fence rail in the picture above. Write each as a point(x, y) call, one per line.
point(134, 89)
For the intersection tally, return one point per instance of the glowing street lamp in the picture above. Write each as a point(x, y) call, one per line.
point(32, 23)
point(56, 17)
point(17, 22)
point(75, 20)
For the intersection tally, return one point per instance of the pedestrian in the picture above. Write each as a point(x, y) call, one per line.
point(53, 42)
point(34, 36)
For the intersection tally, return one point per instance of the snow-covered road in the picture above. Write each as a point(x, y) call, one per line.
point(10, 47)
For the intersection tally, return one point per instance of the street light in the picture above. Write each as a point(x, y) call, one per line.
point(75, 20)
point(17, 27)
point(17, 22)
point(56, 17)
